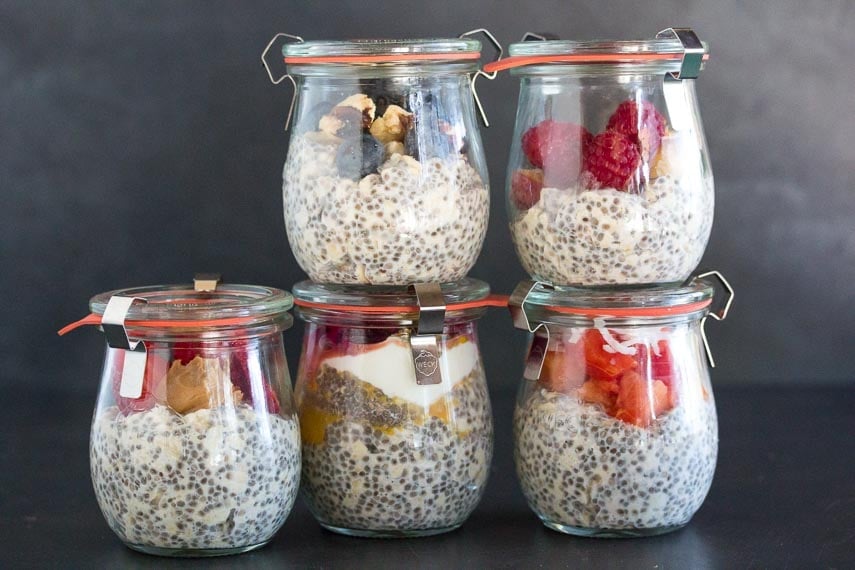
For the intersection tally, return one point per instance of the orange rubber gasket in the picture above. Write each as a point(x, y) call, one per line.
point(93, 319)
point(634, 311)
point(489, 301)
point(580, 58)
point(381, 58)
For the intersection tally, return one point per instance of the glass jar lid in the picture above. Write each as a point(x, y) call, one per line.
point(381, 50)
point(185, 307)
point(464, 298)
point(667, 53)
point(184, 303)
point(534, 302)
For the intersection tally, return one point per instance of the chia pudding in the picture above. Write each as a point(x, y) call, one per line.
point(410, 222)
point(212, 479)
point(578, 236)
point(586, 472)
point(383, 456)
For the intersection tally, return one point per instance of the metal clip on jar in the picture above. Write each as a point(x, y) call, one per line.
point(195, 447)
point(609, 181)
point(615, 430)
point(385, 181)
point(394, 411)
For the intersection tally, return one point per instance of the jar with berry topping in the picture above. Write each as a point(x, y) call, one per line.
point(615, 429)
point(385, 182)
point(609, 181)
point(195, 446)
point(394, 411)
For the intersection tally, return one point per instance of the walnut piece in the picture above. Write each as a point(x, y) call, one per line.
point(393, 125)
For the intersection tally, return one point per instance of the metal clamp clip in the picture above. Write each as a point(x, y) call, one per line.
point(133, 365)
point(481, 72)
point(538, 37)
point(286, 76)
point(693, 51)
point(425, 343)
point(719, 315)
point(516, 304)
point(206, 281)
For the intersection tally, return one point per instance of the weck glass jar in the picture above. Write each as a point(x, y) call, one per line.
point(385, 180)
point(195, 446)
point(615, 429)
point(609, 181)
point(396, 425)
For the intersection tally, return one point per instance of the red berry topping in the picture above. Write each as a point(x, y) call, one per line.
point(525, 188)
point(556, 147)
point(612, 160)
point(643, 124)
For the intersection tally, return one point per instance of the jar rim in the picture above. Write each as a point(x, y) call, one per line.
point(659, 55)
point(385, 298)
point(649, 302)
point(181, 303)
point(367, 50)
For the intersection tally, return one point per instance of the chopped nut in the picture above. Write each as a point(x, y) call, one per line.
point(323, 137)
point(394, 147)
point(342, 121)
point(393, 125)
point(362, 103)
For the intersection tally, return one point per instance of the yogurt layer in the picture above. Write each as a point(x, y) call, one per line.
point(389, 368)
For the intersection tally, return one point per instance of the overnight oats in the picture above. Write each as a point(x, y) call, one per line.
point(609, 182)
point(383, 455)
point(617, 434)
point(385, 181)
point(204, 458)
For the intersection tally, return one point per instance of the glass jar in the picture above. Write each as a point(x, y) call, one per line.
point(615, 430)
point(387, 453)
point(609, 181)
point(385, 180)
point(195, 447)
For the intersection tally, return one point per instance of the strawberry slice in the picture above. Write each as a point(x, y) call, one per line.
point(598, 392)
point(604, 365)
point(563, 367)
point(636, 404)
point(154, 385)
point(657, 366)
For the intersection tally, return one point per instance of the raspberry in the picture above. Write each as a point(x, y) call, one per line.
point(525, 188)
point(556, 147)
point(612, 160)
point(645, 126)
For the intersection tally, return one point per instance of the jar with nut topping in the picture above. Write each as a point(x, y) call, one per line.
point(195, 446)
point(385, 181)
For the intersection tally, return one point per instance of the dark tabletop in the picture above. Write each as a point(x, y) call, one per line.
point(783, 497)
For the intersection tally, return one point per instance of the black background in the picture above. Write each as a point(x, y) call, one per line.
point(142, 142)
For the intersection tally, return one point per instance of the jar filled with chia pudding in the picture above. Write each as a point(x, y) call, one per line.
point(195, 445)
point(395, 417)
point(615, 430)
point(609, 181)
point(385, 181)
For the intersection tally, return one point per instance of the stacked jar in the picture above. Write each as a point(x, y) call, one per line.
point(386, 205)
point(610, 201)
